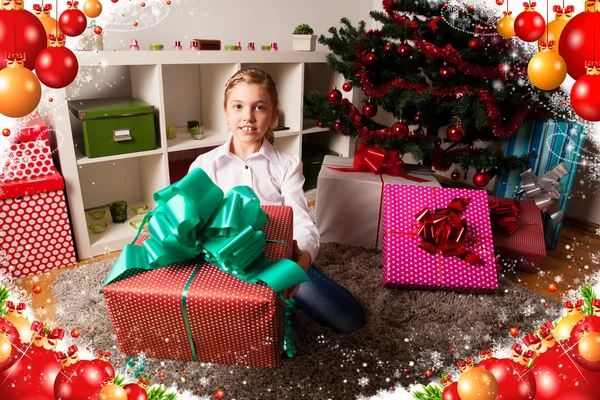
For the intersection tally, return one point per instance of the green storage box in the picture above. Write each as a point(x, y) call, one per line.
point(312, 159)
point(111, 126)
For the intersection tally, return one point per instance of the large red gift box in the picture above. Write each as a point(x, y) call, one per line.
point(231, 321)
point(525, 248)
point(437, 238)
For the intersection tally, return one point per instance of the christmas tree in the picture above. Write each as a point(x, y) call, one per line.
point(431, 65)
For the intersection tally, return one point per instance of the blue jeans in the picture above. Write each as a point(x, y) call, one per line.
point(329, 304)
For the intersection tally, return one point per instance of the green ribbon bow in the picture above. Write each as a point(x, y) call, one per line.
point(194, 218)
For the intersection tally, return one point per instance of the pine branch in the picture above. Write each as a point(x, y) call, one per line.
point(120, 380)
point(4, 294)
point(588, 295)
point(156, 392)
point(433, 391)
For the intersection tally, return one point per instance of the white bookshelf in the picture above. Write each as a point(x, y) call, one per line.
point(182, 86)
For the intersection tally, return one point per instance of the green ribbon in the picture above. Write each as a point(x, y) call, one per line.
point(194, 218)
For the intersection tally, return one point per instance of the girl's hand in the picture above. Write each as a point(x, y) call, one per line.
point(303, 259)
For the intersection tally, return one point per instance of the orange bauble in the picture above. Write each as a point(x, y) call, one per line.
point(20, 323)
point(20, 93)
point(553, 31)
point(506, 26)
point(110, 391)
point(589, 347)
point(50, 26)
point(92, 8)
point(563, 329)
point(547, 69)
point(477, 384)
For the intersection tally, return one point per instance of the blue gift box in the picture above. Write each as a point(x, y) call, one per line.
point(554, 142)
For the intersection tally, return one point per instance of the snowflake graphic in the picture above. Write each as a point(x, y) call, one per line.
point(528, 310)
point(595, 257)
point(204, 381)
point(364, 381)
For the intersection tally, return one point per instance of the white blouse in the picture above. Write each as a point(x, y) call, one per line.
point(275, 177)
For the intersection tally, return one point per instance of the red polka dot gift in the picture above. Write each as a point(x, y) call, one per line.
point(437, 238)
point(35, 235)
point(205, 277)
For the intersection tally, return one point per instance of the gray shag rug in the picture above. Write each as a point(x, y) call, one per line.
point(408, 332)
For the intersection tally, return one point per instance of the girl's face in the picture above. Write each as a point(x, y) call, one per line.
point(249, 111)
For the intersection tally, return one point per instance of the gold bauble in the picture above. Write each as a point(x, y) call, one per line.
point(553, 31)
point(20, 323)
point(50, 26)
point(477, 384)
point(547, 70)
point(20, 93)
point(92, 8)
point(565, 326)
point(506, 27)
point(589, 347)
point(5, 348)
point(110, 391)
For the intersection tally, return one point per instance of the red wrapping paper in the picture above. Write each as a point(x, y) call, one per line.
point(232, 322)
point(525, 249)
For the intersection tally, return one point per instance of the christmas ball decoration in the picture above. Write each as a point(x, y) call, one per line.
point(564, 327)
point(56, 66)
point(219, 394)
point(447, 72)
point(10, 342)
point(547, 70)
point(514, 332)
point(15, 314)
point(500, 2)
point(584, 99)
point(585, 342)
point(455, 175)
point(110, 391)
point(589, 349)
point(37, 289)
point(6, 132)
point(477, 384)
point(97, 30)
point(481, 179)
point(455, 132)
point(82, 380)
point(388, 48)
point(506, 25)
point(404, 49)
point(334, 96)
point(75, 333)
point(369, 110)
point(576, 43)
point(136, 391)
point(347, 86)
point(72, 22)
point(337, 125)
point(400, 130)
point(92, 8)
point(320, 124)
point(555, 28)
point(49, 23)
point(514, 381)
point(552, 287)
point(451, 392)
point(20, 32)
point(418, 118)
point(475, 43)
point(529, 25)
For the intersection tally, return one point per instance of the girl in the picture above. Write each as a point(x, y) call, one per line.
point(248, 158)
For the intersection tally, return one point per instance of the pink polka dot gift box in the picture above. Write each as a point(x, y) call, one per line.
point(437, 238)
point(229, 321)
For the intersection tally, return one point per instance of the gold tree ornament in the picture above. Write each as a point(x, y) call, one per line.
point(50, 25)
point(506, 25)
point(547, 69)
point(561, 17)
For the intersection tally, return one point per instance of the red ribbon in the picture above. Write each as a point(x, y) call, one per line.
point(596, 303)
point(443, 231)
point(505, 215)
point(517, 349)
point(546, 329)
point(56, 333)
point(531, 340)
point(38, 328)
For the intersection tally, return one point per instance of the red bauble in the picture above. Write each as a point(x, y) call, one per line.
point(455, 175)
point(371, 57)
point(338, 125)
point(388, 47)
point(404, 49)
point(135, 392)
point(9, 338)
point(21, 32)
point(481, 179)
point(31, 377)
point(369, 110)
point(451, 392)
point(530, 26)
point(591, 324)
point(219, 394)
point(56, 67)
point(584, 97)
point(400, 130)
point(320, 124)
point(6, 132)
point(334, 96)
point(347, 86)
point(418, 118)
point(97, 30)
point(72, 22)
point(83, 380)
point(475, 43)
point(515, 382)
point(455, 133)
point(500, 2)
point(576, 43)
point(447, 72)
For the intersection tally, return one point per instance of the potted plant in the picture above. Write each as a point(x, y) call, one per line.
point(303, 38)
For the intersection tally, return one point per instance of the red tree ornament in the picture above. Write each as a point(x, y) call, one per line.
point(10, 343)
point(72, 22)
point(20, 32)
point(56, 66)
point(371, 57)
point(576, 43)
point(388, 48)
point(455, 175)
point(334, 96)
point(347, 86)
point(529, 25)
point(219, 394)
point(6, 132)
point(447, 72)
point(500, 2)
point(404, 49)
point(400, 130)
point(581, 336)
point(137, 391)
point(320, 124)
point(369, 110)
point(515, 382)
point(451, 392)
point(455, 132)
point(337, 125)
point(418, 118)
point(475, 43)
point(82, 380)
point(481, 179)
point(584, 98)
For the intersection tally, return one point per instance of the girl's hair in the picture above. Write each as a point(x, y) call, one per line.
point(254, 75)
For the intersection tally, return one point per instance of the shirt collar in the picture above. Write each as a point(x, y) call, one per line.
point(267, 150)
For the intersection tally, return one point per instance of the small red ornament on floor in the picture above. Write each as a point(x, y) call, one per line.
point(75, 333)
point(37, 289)
point(219, 394)
point(369, 110)
point(347, 86)
point(161, 374)
point(428, 373)
point(5, 132)
point(455, 175)
point(514, 331)
point(481, 179)
point(97, 30)
point(135, 23)
point(320, 124)
point(143, 4)
point(552, 287)
point(334, 96)
point(168, 2)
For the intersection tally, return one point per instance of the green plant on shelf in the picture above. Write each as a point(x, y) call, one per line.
point(303, 29)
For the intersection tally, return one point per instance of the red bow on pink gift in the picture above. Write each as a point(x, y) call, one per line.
point(505, 215)
point(443, 231)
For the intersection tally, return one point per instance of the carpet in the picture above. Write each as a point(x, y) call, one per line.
point(408, 332)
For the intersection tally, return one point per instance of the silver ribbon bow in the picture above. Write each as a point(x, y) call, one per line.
point(543, 191)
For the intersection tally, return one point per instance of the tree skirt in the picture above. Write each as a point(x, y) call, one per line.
point(408, 332)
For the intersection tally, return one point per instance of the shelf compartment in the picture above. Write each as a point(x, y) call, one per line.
point(308, 129)
point(83, 160)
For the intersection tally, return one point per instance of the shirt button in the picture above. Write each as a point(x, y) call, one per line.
point(246, 167)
